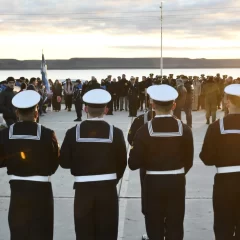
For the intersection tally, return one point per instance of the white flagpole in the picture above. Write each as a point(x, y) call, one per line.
point(161, 38)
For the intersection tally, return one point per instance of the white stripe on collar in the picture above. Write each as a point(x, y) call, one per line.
point(162, 116)
point(229, 131)
point(95, 119)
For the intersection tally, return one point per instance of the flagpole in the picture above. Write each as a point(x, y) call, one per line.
point(161, 38)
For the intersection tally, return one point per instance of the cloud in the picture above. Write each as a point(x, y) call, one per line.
point(194, 18)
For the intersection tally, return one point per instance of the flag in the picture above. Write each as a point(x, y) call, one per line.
point(44, 74)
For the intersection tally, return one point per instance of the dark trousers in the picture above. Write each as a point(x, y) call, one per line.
point(118, 102)
point(188, 112)
point(56, 104)
point(96, 211)
point(133, 106)
point(68, 101)
point(110, 107)
point(31, 211)
point(114, 98)
point(78, 108)
point(164, 200)
point(141, 101)
point(226, 205)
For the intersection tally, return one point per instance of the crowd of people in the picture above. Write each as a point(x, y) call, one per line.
point(195, 93)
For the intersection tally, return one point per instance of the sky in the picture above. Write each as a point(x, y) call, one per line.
point(119, 28)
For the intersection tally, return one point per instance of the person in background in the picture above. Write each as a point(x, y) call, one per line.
point(68, 91)
point(57, 95)
point(6, 106)
point(49, 95)
point(181, 100)
point(211, 93)
point(23, 87)
point(142, 85)
point(95, 152)
point(3, 85)
point(221, 149)
point(228, 81)
point(118, 92)
point(110, 89)
point(32, 84)
point(103, 84)
point(93, 84)
point(189, 98)
point(30, 153)
point(123, 92)
point(196, 93)
point(133, 95)
point(77, 99)
point(114, 93)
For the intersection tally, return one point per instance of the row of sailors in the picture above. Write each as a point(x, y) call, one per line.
point(96, 173)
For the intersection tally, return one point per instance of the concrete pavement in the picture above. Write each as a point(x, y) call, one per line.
point(199, 214)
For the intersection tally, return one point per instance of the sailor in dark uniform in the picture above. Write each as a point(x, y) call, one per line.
point(164, 147)
point(95, 152)
point(137, 124)
point(221, 149)
point(30, 153)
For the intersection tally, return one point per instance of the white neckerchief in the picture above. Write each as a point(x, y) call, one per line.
point(162, 116)
point(95, 119)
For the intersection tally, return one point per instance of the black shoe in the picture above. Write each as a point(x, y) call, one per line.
point(78, 120)
point(208, 122)
point(65, 108)
point(145, 237)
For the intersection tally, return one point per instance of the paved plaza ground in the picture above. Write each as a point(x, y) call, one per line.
point(199, 213)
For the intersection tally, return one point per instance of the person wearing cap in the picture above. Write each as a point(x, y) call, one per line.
point(221, 149)
point(95, 152)
point(164, 184)
point(30, 153)
point(6, 107)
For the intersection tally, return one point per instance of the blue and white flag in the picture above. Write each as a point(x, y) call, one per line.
point(44, 74)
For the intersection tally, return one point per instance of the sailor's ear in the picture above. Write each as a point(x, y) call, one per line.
point(17, 113)
point(106, 110)
point(36, 114)
point(86, 109)
point(174, 106)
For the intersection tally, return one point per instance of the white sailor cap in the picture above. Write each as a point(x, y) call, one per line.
point(162, 93)
point(26, 99)
point(233, 89)
point(97, 98)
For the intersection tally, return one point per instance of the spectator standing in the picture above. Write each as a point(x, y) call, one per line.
point(114, 93)
point(228, 82)
point(57, 96)
point(123, 88)
point(68, 91)
point(211, 93)
point(133, 95)
point(77, 99)
point(6, 106)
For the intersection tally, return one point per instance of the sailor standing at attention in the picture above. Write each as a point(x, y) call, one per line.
point(164, 147)
point(30, 153)
point(221, 149)
point(138, 123)
point(95, 152)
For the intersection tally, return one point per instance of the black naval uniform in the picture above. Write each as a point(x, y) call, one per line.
point(90, 149)
point(137, 124)
point(29, 150)
point(163, 145)
point(221, 149)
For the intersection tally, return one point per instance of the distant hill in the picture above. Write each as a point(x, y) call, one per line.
point(119, 63)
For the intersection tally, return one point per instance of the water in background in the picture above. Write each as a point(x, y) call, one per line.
point(100, 74)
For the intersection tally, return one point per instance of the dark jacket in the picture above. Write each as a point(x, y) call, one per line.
point(57, 90)
point(6, 106)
